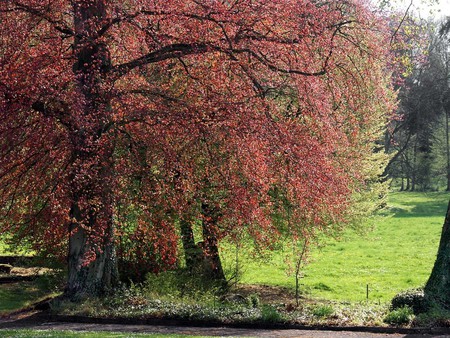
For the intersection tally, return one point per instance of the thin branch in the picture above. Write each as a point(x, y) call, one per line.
point(401, 23)
point(275, 68)
point(58, 25)
point(168, 52)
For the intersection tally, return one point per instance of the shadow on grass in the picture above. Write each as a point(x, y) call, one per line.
point(15, 296)
point(435, 205)
point(19, 295)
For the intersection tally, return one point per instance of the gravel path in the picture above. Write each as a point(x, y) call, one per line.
point(39, 322)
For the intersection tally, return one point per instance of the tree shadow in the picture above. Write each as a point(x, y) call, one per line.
point(23, 319)
point(435, 208)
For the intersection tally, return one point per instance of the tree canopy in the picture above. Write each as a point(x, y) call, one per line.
point(119, 118)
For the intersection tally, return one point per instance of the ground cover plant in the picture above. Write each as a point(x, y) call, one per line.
point(142, 303)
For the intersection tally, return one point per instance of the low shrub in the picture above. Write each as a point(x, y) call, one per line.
point(181, 284)
point(269, 314)
point(163, 284)
point(400, 316)
point(254, 300)
point(323, 311)
point(414, 298)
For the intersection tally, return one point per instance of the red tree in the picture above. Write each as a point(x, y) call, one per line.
point(143, 112)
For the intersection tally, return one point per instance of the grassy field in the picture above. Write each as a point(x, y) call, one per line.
point(396, 255)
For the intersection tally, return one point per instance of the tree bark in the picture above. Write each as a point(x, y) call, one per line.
point(447, 147)
point(438, 285)
point(90, 278)
point(414, 167)
point(92, 265)
point(192, 253)
point(210, 242)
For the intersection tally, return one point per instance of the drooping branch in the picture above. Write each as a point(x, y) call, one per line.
point(264, 61)
point(179, 50)
point(401, 22)
point(168, 52)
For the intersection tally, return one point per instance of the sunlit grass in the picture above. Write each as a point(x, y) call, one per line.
point(3, 249)
point(13, 250)
point(397, 254)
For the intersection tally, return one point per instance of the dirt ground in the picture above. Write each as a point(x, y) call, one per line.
point(267, 293)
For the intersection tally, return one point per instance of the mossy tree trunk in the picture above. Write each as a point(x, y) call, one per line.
point(438, 285)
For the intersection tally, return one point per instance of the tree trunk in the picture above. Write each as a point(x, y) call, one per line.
point(414, 168)
point(92, 266)
point(438, 285)
point(210, 242)
point(192, 253)
point(94, 277)
point(447, 148)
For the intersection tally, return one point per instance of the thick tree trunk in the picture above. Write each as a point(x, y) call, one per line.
point(92, 264)
point(92, 267)
point(86, 277)
point(438, 285)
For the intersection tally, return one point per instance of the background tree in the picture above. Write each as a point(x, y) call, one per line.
point(418, 135)
point(104, 105)
point(437, 286)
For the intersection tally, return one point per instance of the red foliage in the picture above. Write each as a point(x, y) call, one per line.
point(138, 110)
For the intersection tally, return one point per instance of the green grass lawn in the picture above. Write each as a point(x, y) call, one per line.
point(396, 255)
